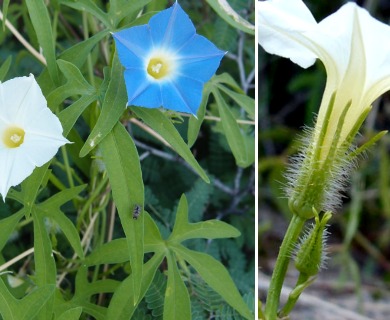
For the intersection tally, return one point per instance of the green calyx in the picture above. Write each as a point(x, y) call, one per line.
point(316, 178)
point(310, 254)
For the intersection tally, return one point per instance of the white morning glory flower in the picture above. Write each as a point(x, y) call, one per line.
point(166, 62)
point(353, 46)
point(30, 133)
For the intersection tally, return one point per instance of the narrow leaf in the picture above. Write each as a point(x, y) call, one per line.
point(43, 28)
point(123, 166)
point(114, 105)
point(232, 131)
point(245, 102)
point(5, 67)
point(177, 304)
point(227, 13)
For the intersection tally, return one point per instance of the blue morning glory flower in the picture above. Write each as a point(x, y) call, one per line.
point(166, 62)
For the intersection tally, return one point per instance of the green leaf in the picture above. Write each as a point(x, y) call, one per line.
point(232, 131)
point(76, 84)
point(123, 166)
point(51, 208)
point(84, 290)
point(195, 123)
point(71, 314)
point(5, 67)
point(177, 304)
point(114, 105)
point(89, 6)
point(226, 78)
point(7, 226)
point(26, 308)
point(226, 12)
point(162, 125)
point(122, 303)
point(78, 53)
point(120, 9)
point(32, 303)
point(245, 102)
point(69, 116)
point(115, 251)
point(211, 229)
point(30, 186)
point(43, 28)
point(45, 267)
point(5, 12)
point(153, 241)
point(216, 276)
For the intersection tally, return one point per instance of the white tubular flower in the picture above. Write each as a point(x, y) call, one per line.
point(30, 133)
point(354, 48)
point(350, 43)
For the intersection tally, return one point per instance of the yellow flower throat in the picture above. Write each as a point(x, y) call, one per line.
point(158, 68)
point(13, 137)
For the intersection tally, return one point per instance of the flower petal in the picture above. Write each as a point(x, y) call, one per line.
point(281, 24)
point(199, 59)
point(141, 91)
point(375, 34)
point(183, 94)
point(14, 169)
point(171, 28)
point(133, 45)
point(20, 98)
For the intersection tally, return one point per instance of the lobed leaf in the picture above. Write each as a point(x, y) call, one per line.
point(122, 303)
point(7, 226)
point(217, 277)
point(211, 229)
point(45, 267)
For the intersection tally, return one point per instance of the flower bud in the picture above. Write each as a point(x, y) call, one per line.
point(311, 251)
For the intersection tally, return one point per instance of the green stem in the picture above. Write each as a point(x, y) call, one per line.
point(290, 238)
point(302, 282)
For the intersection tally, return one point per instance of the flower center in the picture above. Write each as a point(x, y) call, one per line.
point(158, 68)
point(13, 137)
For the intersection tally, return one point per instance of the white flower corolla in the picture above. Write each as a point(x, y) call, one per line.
point(353, 46)
point(30, 134)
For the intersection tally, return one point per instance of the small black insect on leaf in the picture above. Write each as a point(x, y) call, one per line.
point(136, 211)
